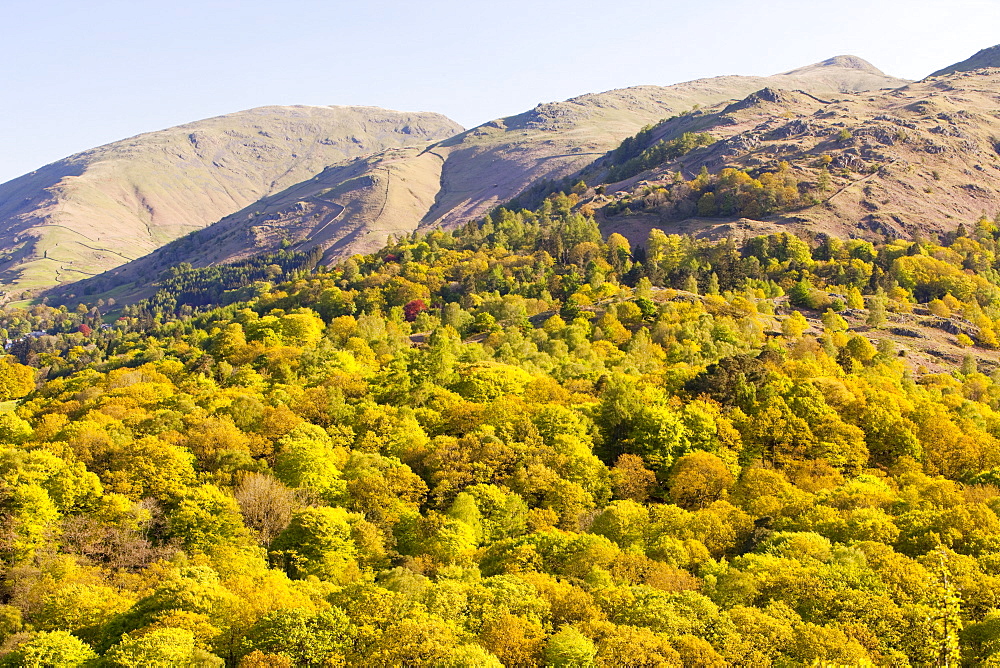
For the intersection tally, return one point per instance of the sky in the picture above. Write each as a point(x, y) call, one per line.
point(78, 74)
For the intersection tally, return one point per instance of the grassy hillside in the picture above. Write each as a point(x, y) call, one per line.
point(101, 208)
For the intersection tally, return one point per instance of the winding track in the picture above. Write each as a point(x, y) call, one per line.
point(324, 224)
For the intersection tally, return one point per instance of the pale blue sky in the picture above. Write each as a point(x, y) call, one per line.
point(81, 73)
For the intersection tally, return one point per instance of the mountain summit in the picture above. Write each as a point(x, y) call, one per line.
point(989, 57)
point(846, 62)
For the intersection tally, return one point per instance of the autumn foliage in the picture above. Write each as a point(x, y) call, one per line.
point(514, 444)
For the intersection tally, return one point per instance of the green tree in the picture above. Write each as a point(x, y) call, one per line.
point(207, 517)
point(13, 429)
point(148, 467)
point(794, 325)
point(707, 206)
point(160, 648)
point(861, 349)
point(947, 618)
point(834, 322)
point(422, 641)
point(318, 542)
point(823, 182)
point(471, 656)
point(877, 309)
point(51, 649)
point(624, 522)
point(306, 639)
point(804, 295)
point(302, 328)
point(569, 648)
point(29, 516)
point(307, 459)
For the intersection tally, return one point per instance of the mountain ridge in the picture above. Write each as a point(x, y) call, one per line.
point(988, 57)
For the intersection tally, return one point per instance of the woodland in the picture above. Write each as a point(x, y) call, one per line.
point(513, 444)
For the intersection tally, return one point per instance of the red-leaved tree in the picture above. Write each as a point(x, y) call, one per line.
point(412, 308)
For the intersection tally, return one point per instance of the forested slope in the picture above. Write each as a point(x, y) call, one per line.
point(514, 444)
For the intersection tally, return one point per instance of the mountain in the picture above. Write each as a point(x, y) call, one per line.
point(984, 58)
point(920, 159)
point(355, 205)
point(98, 209)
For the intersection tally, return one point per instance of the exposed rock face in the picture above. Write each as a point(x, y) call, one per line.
point(98, 209)
point(761, 97)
